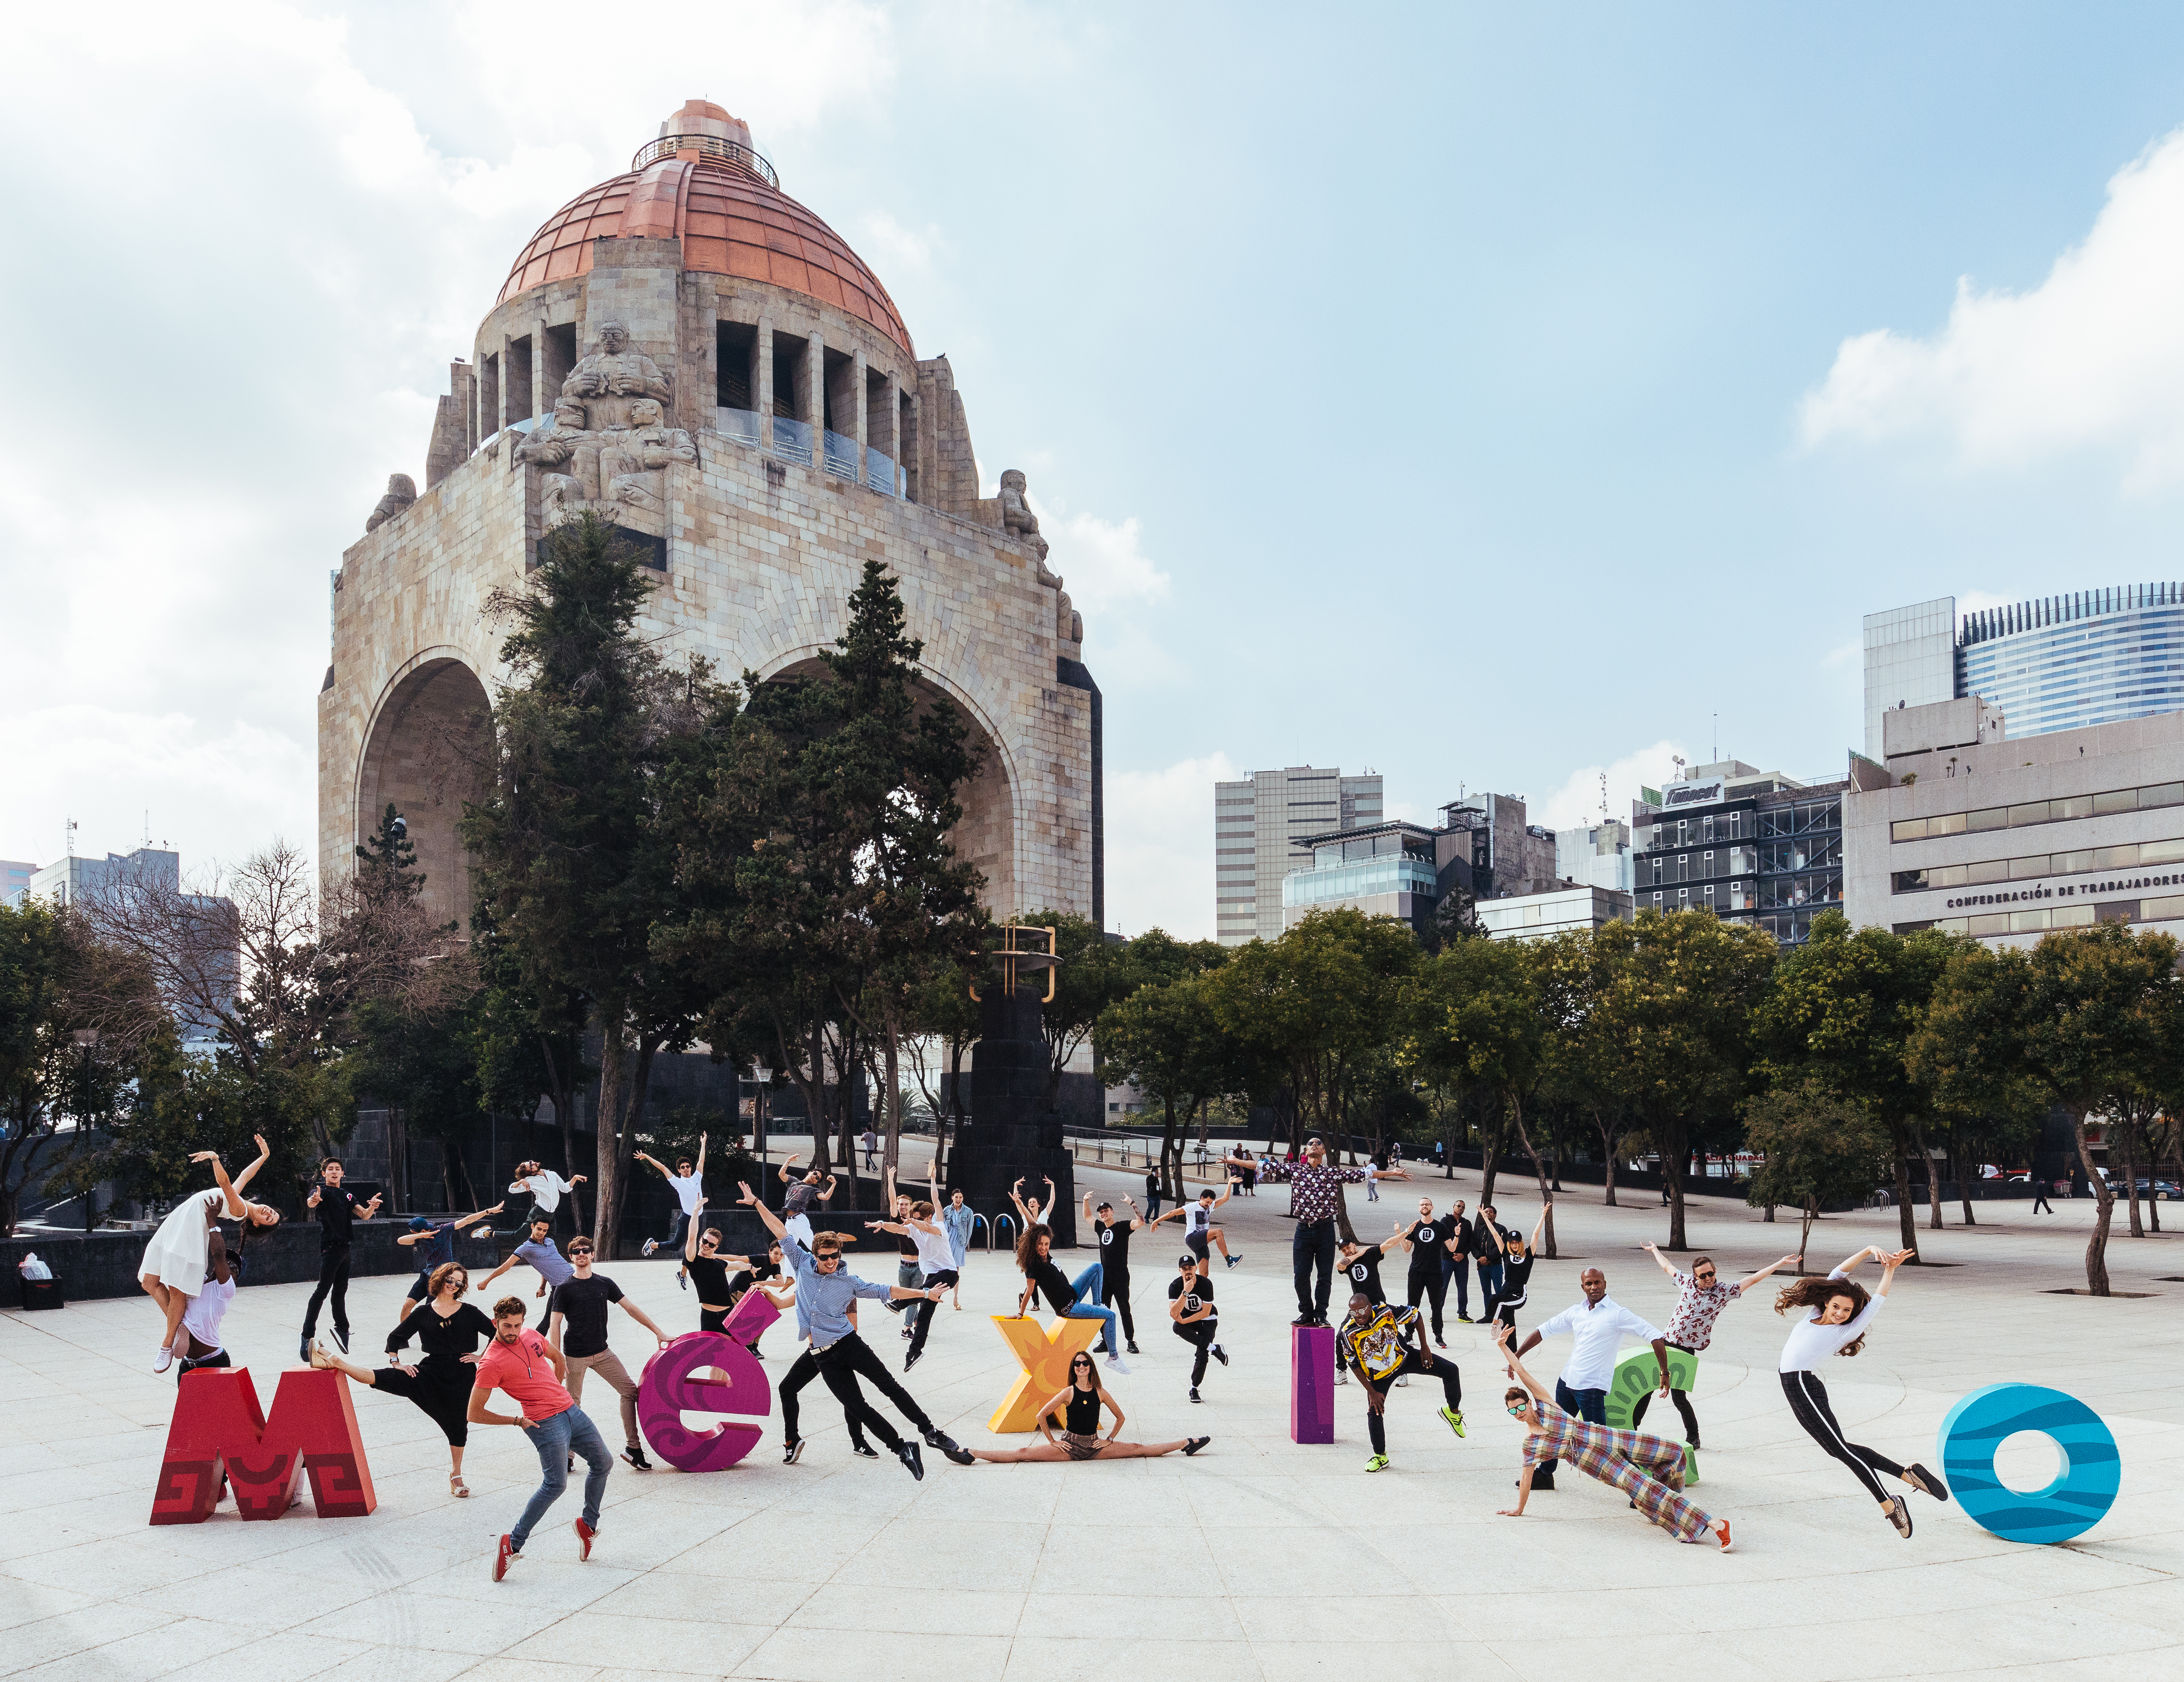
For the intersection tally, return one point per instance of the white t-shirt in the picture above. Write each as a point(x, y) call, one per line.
point(201, 1318)
point(689, 1191)
point(936, 1251)
point(1197, 1218)
point(545, 1187)
point(1810, 1342)
point(1372, 1174)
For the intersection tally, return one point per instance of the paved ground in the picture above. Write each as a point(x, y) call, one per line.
point(1260, 1559)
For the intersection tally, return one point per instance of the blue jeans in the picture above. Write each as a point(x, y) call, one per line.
point(1591, 1405)
point(1490, 1286)
point(1088, 1285)
point(567, 1432)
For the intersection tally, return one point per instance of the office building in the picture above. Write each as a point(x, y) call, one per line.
point(1752, 846)
point(14, 880)
point(1971, 828)
point(1262, 829)
point(2062, 662)
point(71, 881)
point(1386, 870)
point(1594, 855)
point(1559, 911)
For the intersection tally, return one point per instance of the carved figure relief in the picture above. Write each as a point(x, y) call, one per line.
point(401, 491)
point(612, 378)
point(634, 461)
point(1017, 516)
point(609, 442)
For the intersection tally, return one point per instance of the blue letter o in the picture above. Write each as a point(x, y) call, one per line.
point(2071, 1506)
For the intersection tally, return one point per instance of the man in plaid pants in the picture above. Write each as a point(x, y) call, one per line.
point(1648, 1469)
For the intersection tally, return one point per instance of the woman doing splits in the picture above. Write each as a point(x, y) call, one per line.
point(449, 1330)
point(1650, 1470)
point(173, 1270)
point(1080, 1439)
point(1837, 1313)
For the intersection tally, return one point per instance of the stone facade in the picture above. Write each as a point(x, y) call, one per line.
point(760, 530)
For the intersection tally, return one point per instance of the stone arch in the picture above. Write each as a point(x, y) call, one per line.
point(986, 834)
point(425, 751)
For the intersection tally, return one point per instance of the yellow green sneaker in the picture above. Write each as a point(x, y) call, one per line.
point(1455, 1420)
point(1378, 1462)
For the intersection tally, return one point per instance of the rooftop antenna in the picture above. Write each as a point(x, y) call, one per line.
point(71, 838)
point(1603, 797)
point(1717, 739)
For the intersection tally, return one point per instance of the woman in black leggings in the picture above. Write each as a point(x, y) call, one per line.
point(1837, 1311)
point(451, 1332)
point(1079, 1407)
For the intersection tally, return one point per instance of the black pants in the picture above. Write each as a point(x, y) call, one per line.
point(805, 1369)
point(1808, 1401)
point(333, 1276)
point(1454, 1269)
point(1313, 1246)
point(217, 1358)
point(925, 1311)
point(444, 1398)
point(1115, 1288)
point(1683, 1401)
point(1432, 1284)
point(1433, 1367)
point(2040, 1201)
point(849, 1359)
point(1201, 1335)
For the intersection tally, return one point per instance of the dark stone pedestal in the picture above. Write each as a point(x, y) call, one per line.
point(1012, 1133)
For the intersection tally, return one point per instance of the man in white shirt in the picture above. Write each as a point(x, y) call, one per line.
point(545, 1187)
point(1597, 1325)
point(689, 1185)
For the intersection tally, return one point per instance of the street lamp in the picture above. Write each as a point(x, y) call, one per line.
point(764, 1077)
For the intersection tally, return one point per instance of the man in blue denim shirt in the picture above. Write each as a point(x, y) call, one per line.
point(825, 1288)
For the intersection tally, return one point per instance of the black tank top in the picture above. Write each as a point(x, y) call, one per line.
point(1081, 1412)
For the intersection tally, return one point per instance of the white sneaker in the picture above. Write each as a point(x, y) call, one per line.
point(164, 1360)
point(650, 1245)
point(1117, 1362)
point(1403, 1383)
point(1341, 1378)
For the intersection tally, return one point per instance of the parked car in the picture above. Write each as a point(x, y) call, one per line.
point(2163, 1189)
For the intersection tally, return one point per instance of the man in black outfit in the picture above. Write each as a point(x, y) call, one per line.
point(1114, 1240)
point(1488, 1254)
point(336, 1209)
point(1427, 1240)
point(1456, 1260)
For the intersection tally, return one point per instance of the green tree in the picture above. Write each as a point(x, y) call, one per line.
point(1165, 1039)
point(2080, 1017)
point(1584, 1061)
point(1842, 1010)
point(596, 738)
point(1679, 998)
point(1819, 1149)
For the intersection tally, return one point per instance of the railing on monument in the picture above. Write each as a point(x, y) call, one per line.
point(710, 147)
point(842, 456)
point(739, 424)
point(792, 440)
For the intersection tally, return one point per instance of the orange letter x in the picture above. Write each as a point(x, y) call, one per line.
point(1046, 1356)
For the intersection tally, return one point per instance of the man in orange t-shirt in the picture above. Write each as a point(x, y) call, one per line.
point(529, 1371)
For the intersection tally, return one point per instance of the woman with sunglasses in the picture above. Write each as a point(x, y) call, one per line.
point(711, 1271)
point(450, 1331)
point(1078, 1408)
point(1700, 1298)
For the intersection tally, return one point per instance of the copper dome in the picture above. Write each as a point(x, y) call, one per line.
point(717, 197)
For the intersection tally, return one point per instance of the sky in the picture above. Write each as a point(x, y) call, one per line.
point(1489, 396)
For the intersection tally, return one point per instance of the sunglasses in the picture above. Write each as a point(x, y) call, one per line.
point(1514, 1409)
point(1705, 1276)
point(580, 1249)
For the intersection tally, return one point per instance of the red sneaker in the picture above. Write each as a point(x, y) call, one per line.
point(585, 1536)
point(504, 1557)
point(1721, 1533)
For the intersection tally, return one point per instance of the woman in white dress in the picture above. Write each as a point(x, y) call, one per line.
point(173, 1270)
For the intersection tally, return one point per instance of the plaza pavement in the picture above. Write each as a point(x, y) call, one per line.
point(1259, 1559)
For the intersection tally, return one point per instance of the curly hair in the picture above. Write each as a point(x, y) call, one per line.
point(438, 1279)
point(1027, 1246)
point(509, 1306)
point(1815, 1293)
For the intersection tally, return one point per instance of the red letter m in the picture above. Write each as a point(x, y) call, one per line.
point(218, 1424)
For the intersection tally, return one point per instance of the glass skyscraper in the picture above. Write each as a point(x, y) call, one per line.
point(2093, 657)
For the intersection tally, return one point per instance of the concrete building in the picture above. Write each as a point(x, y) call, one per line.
point(1263, 829)
point(71, 881)
point(15, 876)
point(1971, 828)
point(1752, 846)
point(1594, 855)
point(688, 354)
point(1509, 856)
point(1559, 911)
point(2058, 663)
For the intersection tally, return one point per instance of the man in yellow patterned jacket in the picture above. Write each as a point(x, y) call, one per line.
point(1377, 1338)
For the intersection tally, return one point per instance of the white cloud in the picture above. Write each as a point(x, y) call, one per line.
point(1577, 801)
point(891, 247)
point(2094, 357)
point(1106, 567)
point(1160, 847)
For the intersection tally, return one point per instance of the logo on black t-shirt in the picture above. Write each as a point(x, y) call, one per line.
point(1359, 1272)
point(1106, 1236)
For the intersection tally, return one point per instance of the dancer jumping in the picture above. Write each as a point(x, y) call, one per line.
point(1700, 1298)
point(173, 1269)
point(688, 1182)
point(577, 1326)
point(936, 1262)
point(448, 1330)
point(825, 1289)
point(1114, 1238)
point(1190, 1307)
point(1649, 1470)
point(537, 1253)
point(1428, 1241)
point(1076, 1299)
point(1079, 1406)
point(546, 1188)
point(1838, 1311)
point(1597, 1324)
point(525, 1368)
point(803, 1191)
point(336, 1210)
point(1374, 1339)
point(1198, 1229)
point(432, 1246)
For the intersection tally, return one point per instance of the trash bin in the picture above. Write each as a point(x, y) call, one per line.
point(41, 1294)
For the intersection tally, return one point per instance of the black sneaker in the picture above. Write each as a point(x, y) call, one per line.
point(953, 1451)
point(303, 1348)
point(792, 1452)
point(1131, 1345)
point(1195, 1396)
point(865, 1449)
point(682, 1280)
point(634, 1455)
point(1304, 1319)
point(1918, 1477)
point(1219, 1354)
point(341, 1338)
point(909, 1455)
point(911, 1359)
point(755, 1353)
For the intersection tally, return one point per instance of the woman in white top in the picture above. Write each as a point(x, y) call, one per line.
point(1837, 1312)
point(173, 1270)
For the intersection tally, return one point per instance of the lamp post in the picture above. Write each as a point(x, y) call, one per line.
point(763, 1077)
